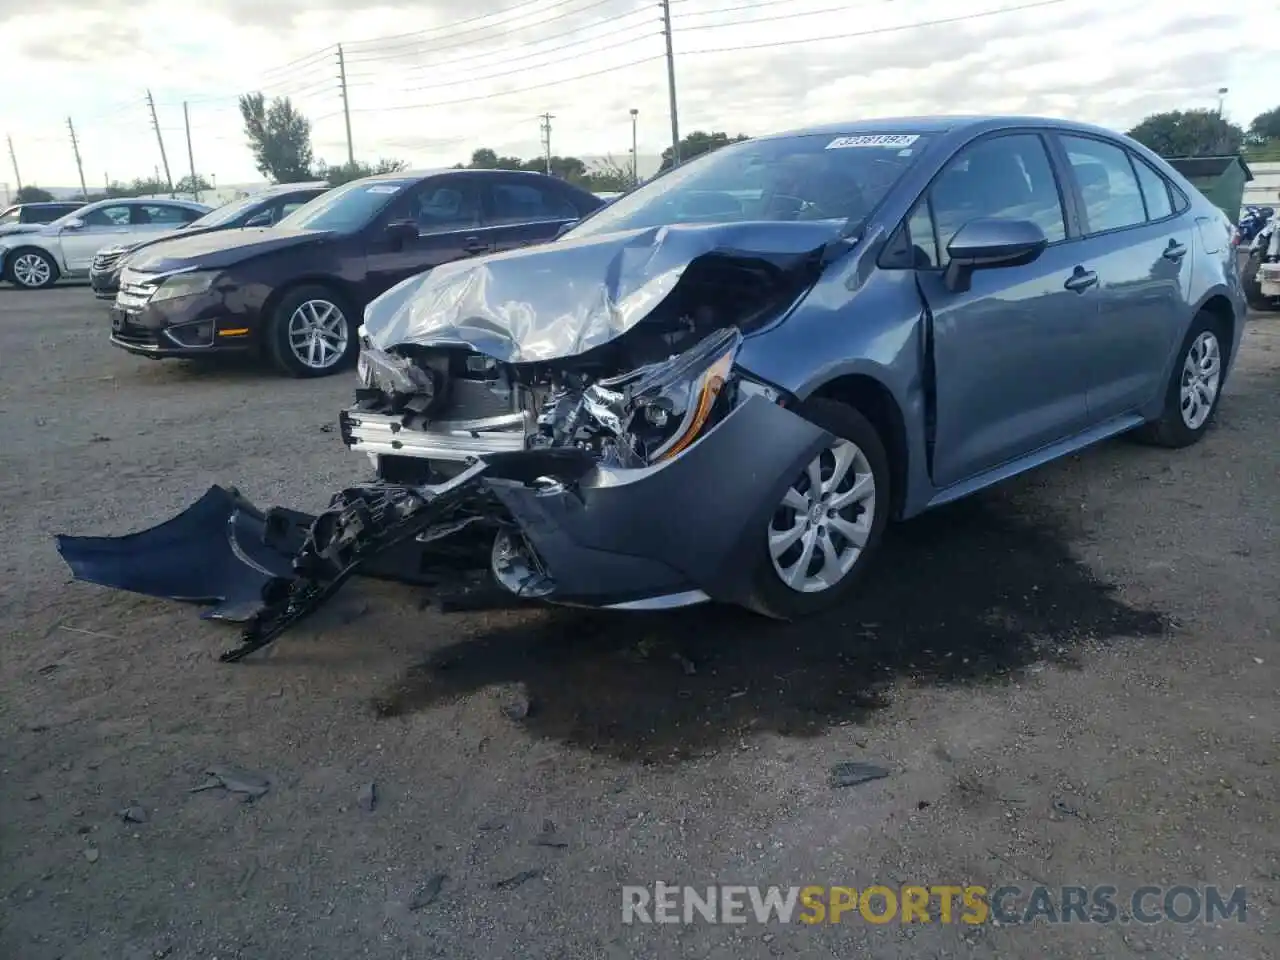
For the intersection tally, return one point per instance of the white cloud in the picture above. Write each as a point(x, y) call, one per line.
point(432, 97)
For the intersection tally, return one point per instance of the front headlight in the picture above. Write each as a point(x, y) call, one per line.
point(663, 408)
point(184, 285)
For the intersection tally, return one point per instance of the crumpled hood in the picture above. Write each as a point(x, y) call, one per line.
point(218, 249)
point(565, 297)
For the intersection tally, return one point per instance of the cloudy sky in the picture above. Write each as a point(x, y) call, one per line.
point(430, 80)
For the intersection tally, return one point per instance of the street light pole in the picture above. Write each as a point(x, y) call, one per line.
point(635, 176)
point(1222, 93)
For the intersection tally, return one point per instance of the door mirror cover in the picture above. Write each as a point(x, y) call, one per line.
point(991, 242)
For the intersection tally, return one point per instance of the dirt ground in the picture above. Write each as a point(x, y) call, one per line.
point(1071, 680)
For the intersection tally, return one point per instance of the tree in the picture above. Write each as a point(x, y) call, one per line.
point(608, 176)
point(1189, 133)
point(1265, 127)
point(32, 194)
point(279, 136)
point(188, 184)
point(700, 142)
point(340, 173)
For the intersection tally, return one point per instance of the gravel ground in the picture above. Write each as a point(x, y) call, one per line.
point(1071, 680)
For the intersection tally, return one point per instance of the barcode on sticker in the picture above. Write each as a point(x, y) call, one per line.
point(874, 140)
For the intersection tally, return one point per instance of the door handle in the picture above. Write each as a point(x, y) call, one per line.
point(1175, 250)
point(474, 245)
point(1081, 280)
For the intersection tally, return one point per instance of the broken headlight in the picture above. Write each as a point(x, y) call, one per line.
point(662, 408)
point(392, 375)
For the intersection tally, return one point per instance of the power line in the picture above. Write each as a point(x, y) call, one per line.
point(879, 30)
point(843, 8)
point(484, 16)
point(509, 93)
point(437, 65)
point(511, 73)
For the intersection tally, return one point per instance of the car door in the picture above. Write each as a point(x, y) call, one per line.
point(1009, 352)
point(101, 227)
point(522, 210)
point(1141, 249)
point(444, 220)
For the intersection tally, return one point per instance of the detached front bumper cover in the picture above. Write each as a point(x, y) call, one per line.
point(593, 535)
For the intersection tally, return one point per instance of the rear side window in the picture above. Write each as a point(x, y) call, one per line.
point(528, 203)
point(1155, 191)
point(1108, 184)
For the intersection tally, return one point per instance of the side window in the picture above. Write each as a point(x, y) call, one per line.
point(107, 217)
point(920, 233)
point(528, 203)
point(160, 213)
point(287, 208)
point(441, 208)
point(1107, 182)
point(1007, 177)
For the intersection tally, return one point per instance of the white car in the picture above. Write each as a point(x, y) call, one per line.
point(65, 247)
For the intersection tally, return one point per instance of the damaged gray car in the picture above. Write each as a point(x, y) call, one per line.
point(724, 384)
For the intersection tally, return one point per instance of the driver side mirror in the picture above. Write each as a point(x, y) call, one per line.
point(991, 242)
point(75, 223)
point(565, 228)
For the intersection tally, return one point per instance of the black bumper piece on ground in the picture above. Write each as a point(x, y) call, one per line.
point(598, 536)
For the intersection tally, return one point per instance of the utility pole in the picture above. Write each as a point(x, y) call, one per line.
point(671, 83)
point(191, 157)
point(635, 176)
point(1222, 94)
point(346, 106)
point(160, 140)
point(75, 149)
point(14, 157)
point(546, 119)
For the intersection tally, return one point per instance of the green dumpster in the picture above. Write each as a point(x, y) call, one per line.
point(1220, 179)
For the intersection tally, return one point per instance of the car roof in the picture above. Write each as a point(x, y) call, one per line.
point(138, 201)
point(47, 203)
point(274, 188)
point(939, 124)
point(451, 171)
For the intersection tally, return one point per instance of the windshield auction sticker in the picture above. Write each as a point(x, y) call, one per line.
point(874, 140)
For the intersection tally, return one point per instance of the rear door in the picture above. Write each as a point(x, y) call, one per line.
point(1010, 353)
point(102, 227)
point(1141, 248)
point(446, 213)
point(525, 210)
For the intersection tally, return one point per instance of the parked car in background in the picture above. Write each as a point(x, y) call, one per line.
point(65, 247)
point(29, 217)
point(295, 293)
point(263, 209)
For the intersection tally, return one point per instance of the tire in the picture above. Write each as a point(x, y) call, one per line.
point(1173, 429)
point(1252, 288)
point(31, 269)
point(287, 347)
point(772, 595)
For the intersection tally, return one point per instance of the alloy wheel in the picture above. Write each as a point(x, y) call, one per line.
point(819, 530)
point(318, 334)
point(1201, 378)
point(31, 270)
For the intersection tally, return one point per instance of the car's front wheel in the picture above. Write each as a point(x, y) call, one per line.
point(824, 532)
point(31, 269)
point(312, 332)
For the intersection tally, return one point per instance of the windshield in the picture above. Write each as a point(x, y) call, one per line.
point(346, 208)
point(224, 214)
point(810, 177)
point(76, 213)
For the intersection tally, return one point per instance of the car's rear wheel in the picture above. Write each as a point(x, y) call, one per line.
point(312, 332)
point(1195, 386)
point(826, 529)
point(32, 269)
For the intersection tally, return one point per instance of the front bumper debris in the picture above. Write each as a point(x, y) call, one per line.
point(547, 525)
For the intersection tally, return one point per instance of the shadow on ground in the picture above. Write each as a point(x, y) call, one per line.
point(968, 593)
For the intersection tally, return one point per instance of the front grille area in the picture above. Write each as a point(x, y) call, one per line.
point(135, 334)
point(106, 259)
point(135, 290)
point(475, 400)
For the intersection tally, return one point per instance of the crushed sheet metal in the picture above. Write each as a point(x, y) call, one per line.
point(563, 298)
